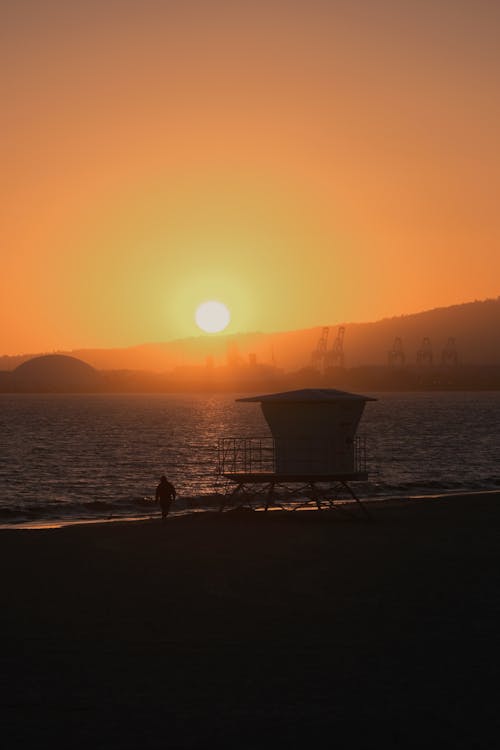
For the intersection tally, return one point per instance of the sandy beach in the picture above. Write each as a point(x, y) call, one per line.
point(255, 630)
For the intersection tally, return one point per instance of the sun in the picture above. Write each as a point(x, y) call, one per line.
point(212, 316)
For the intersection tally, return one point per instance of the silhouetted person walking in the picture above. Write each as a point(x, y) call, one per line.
point(165, 495)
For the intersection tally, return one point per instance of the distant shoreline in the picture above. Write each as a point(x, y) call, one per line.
point(493, 388)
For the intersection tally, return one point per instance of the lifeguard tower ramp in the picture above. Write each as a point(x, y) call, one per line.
point(311, 457)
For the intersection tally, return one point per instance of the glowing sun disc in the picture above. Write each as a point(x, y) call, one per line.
point(212, 316)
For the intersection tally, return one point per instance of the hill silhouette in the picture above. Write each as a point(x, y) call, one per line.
point(55, 372)
point(475, 326)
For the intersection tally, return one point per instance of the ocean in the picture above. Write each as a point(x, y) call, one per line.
point(66, 458)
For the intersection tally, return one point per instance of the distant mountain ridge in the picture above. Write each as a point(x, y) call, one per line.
point(475, 326)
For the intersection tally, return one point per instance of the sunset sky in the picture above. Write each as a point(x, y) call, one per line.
point(306, 163)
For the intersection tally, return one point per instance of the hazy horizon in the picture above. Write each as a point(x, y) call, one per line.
point(206, 338)
point(473, 327)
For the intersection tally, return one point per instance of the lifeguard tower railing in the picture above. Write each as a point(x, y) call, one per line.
point(263, 456)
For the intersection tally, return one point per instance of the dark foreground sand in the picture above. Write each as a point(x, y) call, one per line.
point(255, 630)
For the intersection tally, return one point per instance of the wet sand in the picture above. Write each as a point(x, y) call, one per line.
point(255, 630)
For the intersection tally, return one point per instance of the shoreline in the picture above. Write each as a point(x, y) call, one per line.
point(385, 501)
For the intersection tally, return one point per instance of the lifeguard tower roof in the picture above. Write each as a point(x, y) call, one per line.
point(308, 395)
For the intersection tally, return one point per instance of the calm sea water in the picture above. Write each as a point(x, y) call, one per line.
point(65, 457)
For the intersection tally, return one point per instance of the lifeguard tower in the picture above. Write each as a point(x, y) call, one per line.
point(313, 452)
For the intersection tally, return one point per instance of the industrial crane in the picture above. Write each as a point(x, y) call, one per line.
point(449, 355)
point(335, 357)
point(319, 354)
point(424, 354)
point(396, 355)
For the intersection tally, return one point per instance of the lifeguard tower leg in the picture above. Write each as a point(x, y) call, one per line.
point(364, 510)
point(227, 498)
point(269, 497)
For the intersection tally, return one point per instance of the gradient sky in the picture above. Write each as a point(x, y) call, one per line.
point(307, 163)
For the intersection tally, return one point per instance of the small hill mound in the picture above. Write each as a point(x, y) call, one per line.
point(57, 372)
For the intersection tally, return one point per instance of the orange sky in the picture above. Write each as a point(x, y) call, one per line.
point(304, 162)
